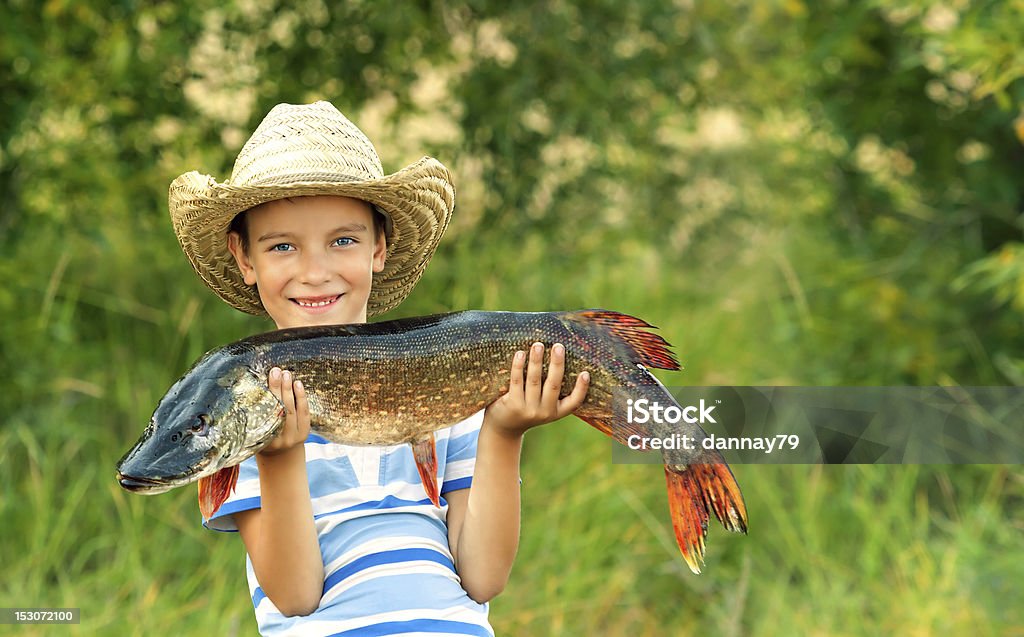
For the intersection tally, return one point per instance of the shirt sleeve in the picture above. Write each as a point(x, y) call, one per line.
point(460, 456)
point(246, 496)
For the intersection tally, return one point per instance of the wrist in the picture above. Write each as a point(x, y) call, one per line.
point(501, 433)
point(283, 472)
point(272, 459)
point(501, 428)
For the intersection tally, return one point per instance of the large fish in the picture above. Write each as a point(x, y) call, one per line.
point(399, 381)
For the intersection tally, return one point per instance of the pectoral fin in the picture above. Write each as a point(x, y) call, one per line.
point(425, 453)
point(214, 490)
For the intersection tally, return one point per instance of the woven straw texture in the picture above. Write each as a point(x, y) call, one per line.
point(313, 149)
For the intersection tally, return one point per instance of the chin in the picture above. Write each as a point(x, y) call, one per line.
point(331, 318)
point(296, 317)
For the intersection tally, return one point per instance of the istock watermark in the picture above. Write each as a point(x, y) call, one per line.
point(827, 425)
point(644, 410)
point(765, 444)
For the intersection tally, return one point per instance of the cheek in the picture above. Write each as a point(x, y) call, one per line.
point(356, 270)
point(270, 277)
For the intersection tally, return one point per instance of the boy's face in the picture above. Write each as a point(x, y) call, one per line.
point(311, 258)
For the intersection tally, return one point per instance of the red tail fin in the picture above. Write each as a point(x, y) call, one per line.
point(694, 492)
point(424, 451)
point(214, 490)
point(648, 349)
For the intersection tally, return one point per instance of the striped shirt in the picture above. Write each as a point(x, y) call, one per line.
point(388, 569)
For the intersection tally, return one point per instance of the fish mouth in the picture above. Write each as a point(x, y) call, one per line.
point(139, 484)
point(152, 486)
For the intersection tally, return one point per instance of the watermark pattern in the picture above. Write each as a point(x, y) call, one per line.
point(40, 615)
point(825, 425)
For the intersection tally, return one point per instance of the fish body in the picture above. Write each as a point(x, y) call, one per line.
point(399, 381)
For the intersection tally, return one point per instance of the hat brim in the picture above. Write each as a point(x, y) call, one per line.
point(418, 201)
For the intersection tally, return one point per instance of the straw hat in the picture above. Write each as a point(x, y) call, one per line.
point(303, 150)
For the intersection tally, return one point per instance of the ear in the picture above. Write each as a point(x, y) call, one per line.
point(380, 252)
point(241, 258)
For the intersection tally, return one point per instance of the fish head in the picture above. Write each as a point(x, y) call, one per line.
point(215, 416)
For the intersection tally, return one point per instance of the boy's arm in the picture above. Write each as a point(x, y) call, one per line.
point(280, 536)
point(483, 521)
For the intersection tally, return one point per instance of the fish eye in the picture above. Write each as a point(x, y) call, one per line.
point(201, 426)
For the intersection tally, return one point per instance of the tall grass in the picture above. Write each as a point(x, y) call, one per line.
point(838, 550)
point(787, 192)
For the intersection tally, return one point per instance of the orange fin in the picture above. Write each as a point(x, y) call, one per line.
point(214, 490)
point(425, 452)
point(647, 348)
point(620, 432)
point(694, 492)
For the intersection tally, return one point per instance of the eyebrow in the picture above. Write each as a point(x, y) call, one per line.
point(349, 227)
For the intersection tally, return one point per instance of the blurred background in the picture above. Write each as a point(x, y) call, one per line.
point(796, 193)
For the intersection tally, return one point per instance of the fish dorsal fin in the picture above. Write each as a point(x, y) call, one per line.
point(645, 347)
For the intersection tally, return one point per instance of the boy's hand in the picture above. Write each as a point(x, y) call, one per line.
point(531, 399)
point(296, 413)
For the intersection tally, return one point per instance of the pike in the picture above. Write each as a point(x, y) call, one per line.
point(399, 381)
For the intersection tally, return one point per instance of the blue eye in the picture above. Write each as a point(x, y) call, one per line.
point(281, 247)
point(344, 241)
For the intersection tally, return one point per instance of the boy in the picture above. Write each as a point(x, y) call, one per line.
point(340, 539)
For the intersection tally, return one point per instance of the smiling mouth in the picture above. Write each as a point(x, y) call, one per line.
point(316, 302)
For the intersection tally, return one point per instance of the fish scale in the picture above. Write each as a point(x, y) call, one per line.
point(399, 381)
point(455, 382)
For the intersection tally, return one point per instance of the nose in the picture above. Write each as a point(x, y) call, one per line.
point(314, 268)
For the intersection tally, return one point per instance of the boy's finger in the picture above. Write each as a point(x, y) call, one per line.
point(287, 396)
point(553, 383)
point(301, 409)
point(534, 374)
point(274, 381)
point(515, 382)
point(579, 392)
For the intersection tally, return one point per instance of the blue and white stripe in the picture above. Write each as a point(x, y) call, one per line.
point(388, 569)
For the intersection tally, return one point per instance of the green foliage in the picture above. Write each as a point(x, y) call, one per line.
point(796, 193)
